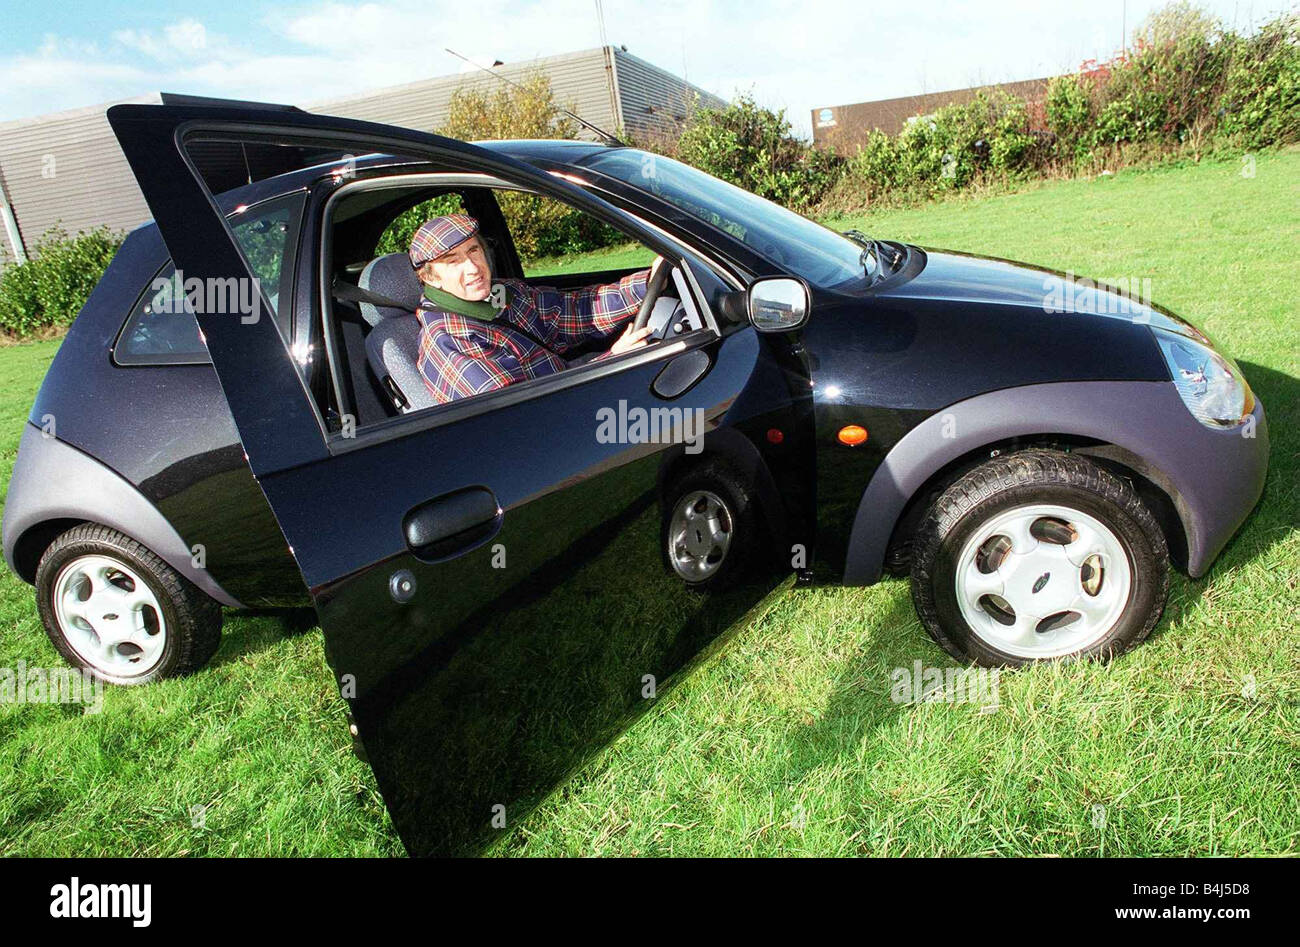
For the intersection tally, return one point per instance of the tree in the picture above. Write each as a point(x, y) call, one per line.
point(1174, 22)
point(525, 110)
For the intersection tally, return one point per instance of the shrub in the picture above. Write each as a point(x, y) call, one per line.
point(1071, 115)
point(52, 286)
point(526, 109)
point(944, 151)
point(752, 147)
point(1185, 84)
point(1261, 98)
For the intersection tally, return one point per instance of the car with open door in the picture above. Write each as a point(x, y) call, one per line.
point(503, 581)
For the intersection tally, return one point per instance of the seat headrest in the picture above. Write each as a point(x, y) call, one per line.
point(391, 276)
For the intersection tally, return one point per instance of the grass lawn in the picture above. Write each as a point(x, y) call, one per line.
point(787, 742)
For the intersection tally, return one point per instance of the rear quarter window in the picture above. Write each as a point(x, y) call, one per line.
point(162, 330)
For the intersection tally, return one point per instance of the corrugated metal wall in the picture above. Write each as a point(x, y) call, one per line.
point(655, 102)
point(577, 80)
point(67, 168)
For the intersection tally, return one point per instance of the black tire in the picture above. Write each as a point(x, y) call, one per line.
point(192, 619)
point(743, 524)
point(1036, 476)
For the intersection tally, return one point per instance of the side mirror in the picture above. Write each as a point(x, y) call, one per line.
point(778, 303)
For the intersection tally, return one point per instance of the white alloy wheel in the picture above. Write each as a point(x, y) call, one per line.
point(1042, 581)
point(109, 616)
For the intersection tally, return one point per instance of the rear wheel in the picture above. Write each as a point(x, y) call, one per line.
point(1037, 556)
point(111, 606)
point(710, 528)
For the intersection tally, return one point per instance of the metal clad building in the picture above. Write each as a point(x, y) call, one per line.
point(66, 169)
point(845, 127)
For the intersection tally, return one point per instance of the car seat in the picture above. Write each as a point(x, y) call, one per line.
point(393, 344)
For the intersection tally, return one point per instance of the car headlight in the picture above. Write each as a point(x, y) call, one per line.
point(1211, 385)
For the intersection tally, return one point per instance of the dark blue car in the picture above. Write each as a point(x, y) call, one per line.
point(236, 419)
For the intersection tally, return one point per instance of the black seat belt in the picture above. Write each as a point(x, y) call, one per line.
point(347, 292)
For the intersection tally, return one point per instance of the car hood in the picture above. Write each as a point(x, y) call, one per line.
point(954, 325)
point(966, 277)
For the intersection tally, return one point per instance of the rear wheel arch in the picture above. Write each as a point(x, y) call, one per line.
point(31, 545)
point(56, 487)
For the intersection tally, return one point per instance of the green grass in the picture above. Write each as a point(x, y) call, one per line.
point(787, 741)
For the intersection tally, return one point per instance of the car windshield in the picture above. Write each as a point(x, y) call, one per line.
point(794, 243)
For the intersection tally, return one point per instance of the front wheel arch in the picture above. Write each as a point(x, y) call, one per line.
point(1145, 422)
point(1153, 488)
point(737, 452)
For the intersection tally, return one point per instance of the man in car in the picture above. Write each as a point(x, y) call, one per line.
point(478, 336)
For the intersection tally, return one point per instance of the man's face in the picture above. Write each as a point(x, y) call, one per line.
point(462, 271)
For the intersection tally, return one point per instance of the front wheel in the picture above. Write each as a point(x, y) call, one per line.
point(1039, 555)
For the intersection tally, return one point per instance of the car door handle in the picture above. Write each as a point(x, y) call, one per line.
point(452, 523)
point(681, 374)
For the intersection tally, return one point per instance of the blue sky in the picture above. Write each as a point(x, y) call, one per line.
point(75, 53)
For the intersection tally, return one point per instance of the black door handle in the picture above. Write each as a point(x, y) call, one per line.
point(451, 523)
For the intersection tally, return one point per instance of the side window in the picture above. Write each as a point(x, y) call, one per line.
point(396, 237)
point(161, 329)
point(554, 239)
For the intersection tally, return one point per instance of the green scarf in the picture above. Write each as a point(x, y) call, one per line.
point(484, 310)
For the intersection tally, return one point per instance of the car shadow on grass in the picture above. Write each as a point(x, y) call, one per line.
point(248, 631)
point(862, 699)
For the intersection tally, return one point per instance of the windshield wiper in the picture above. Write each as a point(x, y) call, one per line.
point(874, 253)
point(870, 255)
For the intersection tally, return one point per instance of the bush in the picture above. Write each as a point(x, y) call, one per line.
point(52, 286)
point(1071, 115)
point(945, 151)
point(1261, 96)
point(1186, 85)
point(752, 147)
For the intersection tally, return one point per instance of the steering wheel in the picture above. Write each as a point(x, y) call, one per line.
point(654, 289)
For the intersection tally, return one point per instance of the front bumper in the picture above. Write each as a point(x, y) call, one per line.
point(1217, 478)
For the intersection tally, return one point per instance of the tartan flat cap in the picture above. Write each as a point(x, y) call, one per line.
point(435, 237)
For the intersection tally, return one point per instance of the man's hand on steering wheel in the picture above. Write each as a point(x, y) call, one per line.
point(637, 333)
point(632, 338)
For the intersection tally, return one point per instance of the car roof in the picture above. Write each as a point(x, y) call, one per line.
point(533, 151)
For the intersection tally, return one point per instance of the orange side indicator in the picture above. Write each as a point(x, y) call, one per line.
point(852, 435)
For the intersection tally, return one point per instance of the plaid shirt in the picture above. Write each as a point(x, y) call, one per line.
point(462, 356)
